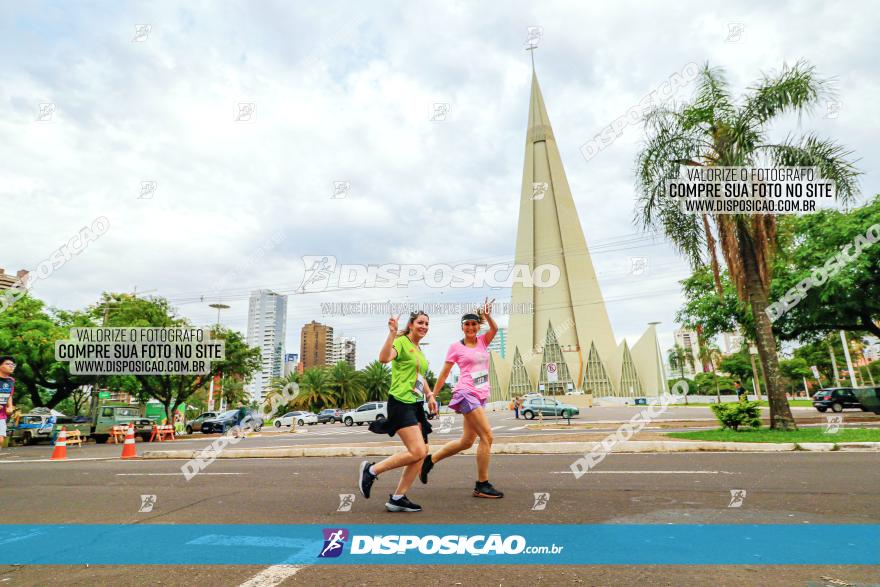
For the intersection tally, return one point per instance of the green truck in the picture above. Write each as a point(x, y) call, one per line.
point(103, 416)
point(107, 415)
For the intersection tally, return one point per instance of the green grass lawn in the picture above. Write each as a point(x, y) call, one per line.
point(768, 435)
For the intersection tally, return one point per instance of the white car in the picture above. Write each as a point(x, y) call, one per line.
point(301, 419)
point(368, 412)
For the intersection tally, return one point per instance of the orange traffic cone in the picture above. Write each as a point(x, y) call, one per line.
point(60, 452)
point(128, 451)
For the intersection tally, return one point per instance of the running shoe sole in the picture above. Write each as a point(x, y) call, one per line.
point(486, 495)
point(364, 465)
point(396, 508)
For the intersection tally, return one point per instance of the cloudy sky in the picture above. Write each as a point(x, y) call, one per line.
point(93, 105)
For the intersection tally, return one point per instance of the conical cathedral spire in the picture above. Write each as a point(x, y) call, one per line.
point(550, 241)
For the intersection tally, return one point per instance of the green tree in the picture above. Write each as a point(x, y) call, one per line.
point(232, 390)
point(807, 243)
point(240, 360)
point(315, 390)
point(347, 384)
point(702, 305)
point(28, 332)
point(793, 371)
point(715, 130)
point(711, 383)
point(281, 393)
point(376, 379)
point(679, 358)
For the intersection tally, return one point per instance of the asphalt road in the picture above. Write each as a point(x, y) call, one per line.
point(793, 487)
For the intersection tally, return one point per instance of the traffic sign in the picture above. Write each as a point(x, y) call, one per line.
point(552, 375)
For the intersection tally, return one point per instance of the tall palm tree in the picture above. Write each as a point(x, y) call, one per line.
point(376, 379)
point(716, 130)
point(679, 358)
point(347, 385)
point(315, 390)
point(711, 355)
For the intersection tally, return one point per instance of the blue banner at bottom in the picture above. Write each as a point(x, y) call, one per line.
point(458, 544)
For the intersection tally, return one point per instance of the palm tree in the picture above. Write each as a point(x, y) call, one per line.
point(232, 390)
point(347, 385)
point(716, 130)
point(712, 354)
point(679, 358)
point(315, 391)
point(278, 397)
point(376, 380)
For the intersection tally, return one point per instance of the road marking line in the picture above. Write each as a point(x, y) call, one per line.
point(5, 462)
point(651, 472)
point(164, 474)
point(518, 428)
point(272, 576)
point(498, 427)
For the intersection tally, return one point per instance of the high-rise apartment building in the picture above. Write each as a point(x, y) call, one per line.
point(316, 345)
point(267, 316)
point(344, 349)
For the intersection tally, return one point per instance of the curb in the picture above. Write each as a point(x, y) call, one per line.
point(523, 448)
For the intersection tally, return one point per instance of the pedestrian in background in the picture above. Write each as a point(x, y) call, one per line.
point(740, 391)
point(7, 389)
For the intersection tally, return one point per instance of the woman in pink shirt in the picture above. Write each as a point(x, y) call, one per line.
point(469, 397)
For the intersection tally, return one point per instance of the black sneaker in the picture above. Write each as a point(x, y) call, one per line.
point(365, 480)
point(401, 505)
point(427, 465)
point(485, 489)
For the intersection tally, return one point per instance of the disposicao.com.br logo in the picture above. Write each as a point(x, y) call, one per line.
point(323, 273)
point(476, 545)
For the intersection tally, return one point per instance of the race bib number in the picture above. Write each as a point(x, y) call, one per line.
point(421, 385)
point(481, 378)
point(4, 398)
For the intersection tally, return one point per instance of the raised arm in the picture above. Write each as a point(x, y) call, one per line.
point(388, 352)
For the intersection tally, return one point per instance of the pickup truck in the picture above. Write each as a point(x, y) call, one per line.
point(107, 416)
point(32, 428)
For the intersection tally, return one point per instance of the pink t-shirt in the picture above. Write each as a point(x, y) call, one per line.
point(473, 366)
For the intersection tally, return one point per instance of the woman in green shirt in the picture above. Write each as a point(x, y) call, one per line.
point(406, 411)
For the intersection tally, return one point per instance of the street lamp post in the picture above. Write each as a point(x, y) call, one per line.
point(219, 307)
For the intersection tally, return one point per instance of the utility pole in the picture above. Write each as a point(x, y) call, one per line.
point(852, 375)
point(834, 366)
point(753, 350)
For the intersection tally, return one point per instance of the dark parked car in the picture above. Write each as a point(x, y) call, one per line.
point(227, 420)
point(330, 415)
point(836, 398)
point(196, 425)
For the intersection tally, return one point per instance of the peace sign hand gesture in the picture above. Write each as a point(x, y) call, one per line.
point(392, 324)
point(487, 307)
